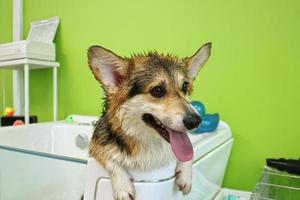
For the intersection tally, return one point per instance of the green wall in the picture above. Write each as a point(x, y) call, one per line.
point(252, 78)
point(5, 36)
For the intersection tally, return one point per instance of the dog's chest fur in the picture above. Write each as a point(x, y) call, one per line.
point(152, 154)
point(140, 149)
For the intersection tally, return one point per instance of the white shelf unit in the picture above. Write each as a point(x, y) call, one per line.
point(29, 64)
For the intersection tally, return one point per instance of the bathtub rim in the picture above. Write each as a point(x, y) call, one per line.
point(43, 154)
point(40, 152)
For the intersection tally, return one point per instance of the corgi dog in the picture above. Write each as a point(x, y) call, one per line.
point(146, 114)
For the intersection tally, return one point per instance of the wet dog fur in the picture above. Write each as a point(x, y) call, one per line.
point(146, 95)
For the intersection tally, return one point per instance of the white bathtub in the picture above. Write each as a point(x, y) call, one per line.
point(42, 161)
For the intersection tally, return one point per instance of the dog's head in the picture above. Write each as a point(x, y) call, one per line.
point(147, 94)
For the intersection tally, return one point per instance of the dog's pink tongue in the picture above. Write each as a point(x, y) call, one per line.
point(181, 145)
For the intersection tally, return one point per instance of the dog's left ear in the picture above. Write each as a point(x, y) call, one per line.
point(196, 62)
point(108, 68)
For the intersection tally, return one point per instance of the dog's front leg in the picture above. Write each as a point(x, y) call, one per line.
point(184, 176)
point(123, 188)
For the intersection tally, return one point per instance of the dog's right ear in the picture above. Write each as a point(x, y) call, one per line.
point(196, 62)
point(108, 68)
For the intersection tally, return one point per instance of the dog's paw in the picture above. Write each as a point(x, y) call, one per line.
point(124, 195)
point(124, 190)
point(184, 177)
point(184, 182)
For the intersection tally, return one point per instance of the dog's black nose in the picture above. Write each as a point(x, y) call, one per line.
point(191, 121)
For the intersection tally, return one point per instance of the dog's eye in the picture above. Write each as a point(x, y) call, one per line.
point(185, 87)
point(158, 92)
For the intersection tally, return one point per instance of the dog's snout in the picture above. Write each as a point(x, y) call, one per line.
point(191, 121)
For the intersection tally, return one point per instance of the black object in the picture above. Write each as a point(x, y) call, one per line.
point(8, 121)
point(291, 166)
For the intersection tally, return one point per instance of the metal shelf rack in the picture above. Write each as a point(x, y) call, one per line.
point(276, 185)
